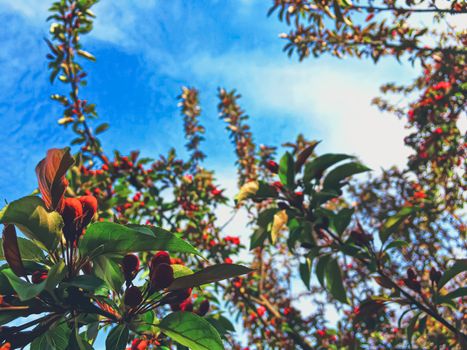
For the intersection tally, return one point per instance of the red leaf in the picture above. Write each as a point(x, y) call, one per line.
point(11, 250)
point(51, 177)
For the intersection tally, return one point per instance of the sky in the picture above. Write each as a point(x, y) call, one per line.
point(147, 50)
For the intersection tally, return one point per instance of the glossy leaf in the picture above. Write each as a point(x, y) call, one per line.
point(117, 338)
point(287, 170)
point(11, 250)
point(28, 250)
point(55, 338)
point(181, 270)
point(26, 290)
point(318, 165)
point(458, 267)
point(304, 155)
point(87, 282)
point(321, 268)
point(335, 177)
point(188, 329)
point(112, 238)
point(210, 274)
point(334, 281)
point(392, 224)
point(109, 271)
point(305, 272)
point(396, 244)
point(30, 215)
point(51, 177)
point(342, 220)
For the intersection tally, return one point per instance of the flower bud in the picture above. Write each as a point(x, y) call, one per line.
point(160, 258)
point(139, 344)
point(133, 296)
point(72, 213)
point(130, 266)
point(272, 166)
point(186, 305)
point(411, 274)
point(203, 307)
point(162, 276)
point(89, 205)
point(38, 276)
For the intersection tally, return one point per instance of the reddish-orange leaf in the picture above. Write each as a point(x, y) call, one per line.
point(51, 177)
point(11, 250)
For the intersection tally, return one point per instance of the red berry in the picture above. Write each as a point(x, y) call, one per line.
point(133, 296)
point(162, 276)
point(38, 276)
point(228, 261)
point(72, 214)
point(203, 307)
point(187, 305)
point(160, 258)
point(89, 205)
point(139, 344)
point(261, 310)
point(272, 166)
point(130, 265)
point(216, 192)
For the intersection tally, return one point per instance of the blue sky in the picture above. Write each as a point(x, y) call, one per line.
point(147, 50)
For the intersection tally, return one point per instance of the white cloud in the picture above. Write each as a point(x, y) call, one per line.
point(331, 99)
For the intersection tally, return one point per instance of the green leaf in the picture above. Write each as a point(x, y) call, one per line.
point(258, 238)
point(117, 338)
point(28, 250)
point(32, 218)
point(26, 290)
point(396, 244)
point(411, 327)
point(110, 271)
point(334, 281)
point(305, 272)
point(210, 274)
point(342, 220)
point(392, 223)
point(287, 170)
point(55, 338)
point(188, 329)
point(181, 270)
point(101, 128)
point(321, 268)
point(87, 282)
point(458, 293)
point(318, 165)
point(109, 237)
point(265, 190)
point(55, 275)
point(336, 176)
point(458, 267)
